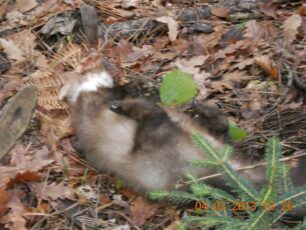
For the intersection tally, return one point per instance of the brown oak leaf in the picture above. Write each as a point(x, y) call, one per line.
point(268, 66)
point(14, 219)
point(141, 210)
point(172, 26)
point(291, 26)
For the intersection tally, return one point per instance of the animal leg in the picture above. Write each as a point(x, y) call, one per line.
point(210, 117)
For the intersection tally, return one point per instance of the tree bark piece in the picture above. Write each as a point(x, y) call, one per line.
point(147, 25)
point(15, 118)
point(90, 22)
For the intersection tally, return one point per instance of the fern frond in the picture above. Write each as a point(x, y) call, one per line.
point(70, 55)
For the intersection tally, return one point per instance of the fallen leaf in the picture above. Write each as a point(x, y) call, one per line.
point(141, 210)
point(302, 9)
point(269, 9)
point(25, 40)
point(268, 66)
point(53, 191)
point(104, 199)
point(14, 17)
point(177, 87)
point(25, 5)
point(61, 23)
point(235, 133)
point(137, 54)
point(232, 36)
point(221, 12)
point(209, 41)
point(160, 43)
point(3, 201)
point(290, 27)
point(43, 207)
point(253, 109)
point(164, 56)
point(232, 48)
point(172, 26)
point(304, 25)
point(242, 64)
point(236, 75)
point(14, 219)
point(228, 80)
point(253, 30)
point(122, 227)
point(22, 166)
point(174, 225)
point(86, 192)
point(179, 46)
point(26, 176)
point(55, 126)
point(192, 67)
point(127, 192)
point(126, 4)
point(221, 85)
point(130, 54)
point(113, 9)
point(11, 49)
point(3, 7)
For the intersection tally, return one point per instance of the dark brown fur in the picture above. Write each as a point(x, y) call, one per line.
point(149, 145)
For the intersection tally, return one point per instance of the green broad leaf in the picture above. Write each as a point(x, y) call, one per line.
point(236, 134)
point(118, 183)
point(177, 88)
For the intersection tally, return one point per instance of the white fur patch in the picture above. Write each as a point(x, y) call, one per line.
point(88, 83)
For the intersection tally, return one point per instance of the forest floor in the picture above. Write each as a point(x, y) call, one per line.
point(248, 57)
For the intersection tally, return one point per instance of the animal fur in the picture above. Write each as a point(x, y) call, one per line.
point(149, 146)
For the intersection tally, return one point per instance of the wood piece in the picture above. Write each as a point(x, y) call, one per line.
point(147, 25)
point(90, 22)
point(15, 118)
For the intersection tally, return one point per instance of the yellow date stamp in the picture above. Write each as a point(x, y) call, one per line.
point(242, 206)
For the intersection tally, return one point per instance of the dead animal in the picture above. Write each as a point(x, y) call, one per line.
point(147, 145)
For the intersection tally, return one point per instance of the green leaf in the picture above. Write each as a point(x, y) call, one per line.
point(236, 134)
point(177, 88)
point(118, 183)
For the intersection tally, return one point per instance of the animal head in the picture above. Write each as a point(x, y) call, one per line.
point(90, 82)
